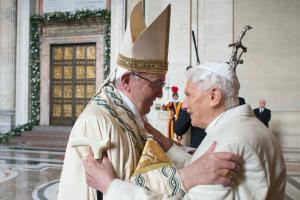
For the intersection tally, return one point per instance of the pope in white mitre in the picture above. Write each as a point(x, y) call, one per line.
point(115, 114)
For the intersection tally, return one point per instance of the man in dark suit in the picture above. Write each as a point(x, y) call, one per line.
point(262, 113)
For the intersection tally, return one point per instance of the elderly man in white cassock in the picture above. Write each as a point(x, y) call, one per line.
point(115, 114)
point(212, 101)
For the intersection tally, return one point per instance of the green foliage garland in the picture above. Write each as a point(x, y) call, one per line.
point(55, 17)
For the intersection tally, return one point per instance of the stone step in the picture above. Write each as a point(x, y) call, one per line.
point(291, 154)
point(295, 150)
point(60, 129)
point(44, 139)
point(45, 134)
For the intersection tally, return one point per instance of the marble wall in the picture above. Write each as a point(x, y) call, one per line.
point(271, 70)
point(7, 63)
point(286, 125)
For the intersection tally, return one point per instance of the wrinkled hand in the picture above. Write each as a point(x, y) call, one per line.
point(99, 174)
point(211, 168)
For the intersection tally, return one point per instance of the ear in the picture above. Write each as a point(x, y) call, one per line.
point(125, 80)
point(215, 96)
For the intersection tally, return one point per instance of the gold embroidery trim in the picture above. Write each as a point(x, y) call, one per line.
point(150, 168)
point(143, 65)
point(153, 157)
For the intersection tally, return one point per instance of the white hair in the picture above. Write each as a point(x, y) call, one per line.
point(207, 78)
point(119, 72)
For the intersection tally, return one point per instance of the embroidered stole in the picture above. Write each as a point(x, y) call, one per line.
point(154, 171)
point(113, 104)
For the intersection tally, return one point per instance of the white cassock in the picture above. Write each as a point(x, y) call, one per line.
point(237, 130)
point(107, 116)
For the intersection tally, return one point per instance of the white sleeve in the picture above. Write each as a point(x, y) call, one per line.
point(126, 191)
point(119, 189)
point(179, 156)
point(250, 183)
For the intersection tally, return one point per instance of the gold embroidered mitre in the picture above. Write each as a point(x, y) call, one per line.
point(145, 49)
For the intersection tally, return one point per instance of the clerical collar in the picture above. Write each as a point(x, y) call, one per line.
point(133, 108)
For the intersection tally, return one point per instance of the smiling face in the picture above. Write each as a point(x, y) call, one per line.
point(143, 92)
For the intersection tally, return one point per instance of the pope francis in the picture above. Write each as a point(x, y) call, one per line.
point(115, 112)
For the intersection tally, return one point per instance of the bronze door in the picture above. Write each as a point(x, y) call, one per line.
point(73, 79)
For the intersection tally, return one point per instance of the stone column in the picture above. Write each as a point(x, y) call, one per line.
point(7, 64)
point(215, 29)
point(22, 62)
point(117, 29)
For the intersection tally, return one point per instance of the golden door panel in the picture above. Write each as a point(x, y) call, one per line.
point(57, 53)
point(57, 91)
point(80, 72)
point(56, 111)
point(73, 79)
point(91, 52)
point(68, 72)
point(80, 53)
point(67, 110)
point(57, 72)
point(80, 91)
point(90, 90)
point(68, 54)
point(68, 91)
point(91, 72)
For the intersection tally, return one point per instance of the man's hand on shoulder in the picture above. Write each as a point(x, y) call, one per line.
point(211, 168)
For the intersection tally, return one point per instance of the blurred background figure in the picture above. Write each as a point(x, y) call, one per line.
point(262, 113)
point(174, 107)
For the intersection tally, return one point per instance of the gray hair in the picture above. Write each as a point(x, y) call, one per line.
point(229, 88)
point(119, 72)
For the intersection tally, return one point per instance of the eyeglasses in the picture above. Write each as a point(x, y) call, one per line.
point(158, 84)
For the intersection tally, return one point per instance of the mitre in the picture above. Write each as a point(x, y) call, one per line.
point(145, 49)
